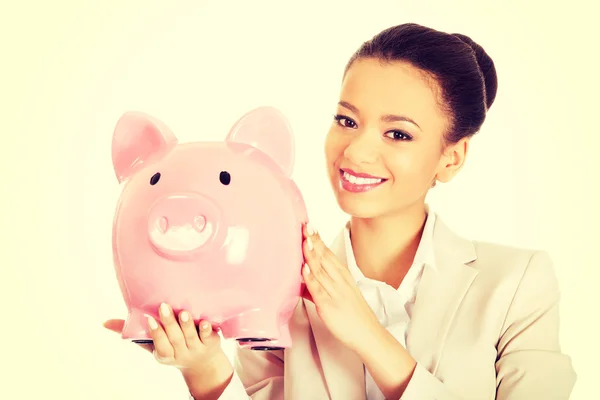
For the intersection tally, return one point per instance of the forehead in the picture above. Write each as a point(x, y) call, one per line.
point(378, 88)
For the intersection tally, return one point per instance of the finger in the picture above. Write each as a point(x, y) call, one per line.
point(329, 261)
point(316, 290)
point(311, 232)
point(188, 328)
point(309, 229)
point(208, 335)
point(172, 328)
point(317, 271)
point(320, 248)
point(162, 346)
point(331, 265)
point(115, 325)
point(314, 248)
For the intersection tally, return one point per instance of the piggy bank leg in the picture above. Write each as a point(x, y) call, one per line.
point(270, 345)
point(264, 346)
point(284, 341)
point(252, 326)
point(136, 327)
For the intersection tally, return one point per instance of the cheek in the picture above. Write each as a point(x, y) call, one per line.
point(334, 147)
point(412, 165)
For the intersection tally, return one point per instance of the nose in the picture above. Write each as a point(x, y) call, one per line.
point(362, 148)
point(182, 224)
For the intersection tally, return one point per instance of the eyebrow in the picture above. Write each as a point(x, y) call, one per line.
point(386, 118)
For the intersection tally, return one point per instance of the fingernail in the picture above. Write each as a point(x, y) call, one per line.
point(310, 229)
point(306, 269)
point(164, 310)
point(309, 244)
point(152, 323)
point(205, 325)
point(185, 316)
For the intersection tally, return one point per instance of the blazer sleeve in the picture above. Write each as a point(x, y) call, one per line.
point(530, 364)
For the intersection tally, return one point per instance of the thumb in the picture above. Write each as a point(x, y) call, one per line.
point(209, 335)
point(115, 325)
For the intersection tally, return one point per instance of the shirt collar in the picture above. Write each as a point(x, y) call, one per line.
point(423, 256)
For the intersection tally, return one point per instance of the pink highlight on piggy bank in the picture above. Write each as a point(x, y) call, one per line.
point(214, 228)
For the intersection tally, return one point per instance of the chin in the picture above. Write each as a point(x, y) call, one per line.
point(350, 204)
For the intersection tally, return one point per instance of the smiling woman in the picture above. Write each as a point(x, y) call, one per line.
point(400, 306)
point(428, 314)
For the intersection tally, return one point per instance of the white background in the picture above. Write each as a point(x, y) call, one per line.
point(69, 69)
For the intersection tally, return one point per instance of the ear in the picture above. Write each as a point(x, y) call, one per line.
point(137, 138)
point(266, 129)
point(452, 160)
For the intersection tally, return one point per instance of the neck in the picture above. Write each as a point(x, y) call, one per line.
point(385, 247)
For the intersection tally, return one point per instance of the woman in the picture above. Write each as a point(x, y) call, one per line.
point(399, 306)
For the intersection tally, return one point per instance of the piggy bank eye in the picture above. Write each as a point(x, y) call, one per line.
point(225, 178)
point(155, 178)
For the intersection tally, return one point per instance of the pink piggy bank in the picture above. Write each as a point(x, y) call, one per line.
point(214, 228)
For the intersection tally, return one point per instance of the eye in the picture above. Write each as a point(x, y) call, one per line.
point(225, 178)
point(344, 121)
point(155, 178)
point(398, 136)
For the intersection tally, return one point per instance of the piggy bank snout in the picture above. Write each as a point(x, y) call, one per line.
point(179, 225)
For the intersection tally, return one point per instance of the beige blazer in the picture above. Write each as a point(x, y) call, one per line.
point(485, 326)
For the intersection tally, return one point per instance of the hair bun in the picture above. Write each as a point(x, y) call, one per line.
point(486, 65)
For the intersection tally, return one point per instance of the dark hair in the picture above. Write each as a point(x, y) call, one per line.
point(463, 70)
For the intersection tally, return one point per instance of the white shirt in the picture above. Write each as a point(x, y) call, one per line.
point(392, 307)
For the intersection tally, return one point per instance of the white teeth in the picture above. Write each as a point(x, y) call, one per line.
point(360, 181)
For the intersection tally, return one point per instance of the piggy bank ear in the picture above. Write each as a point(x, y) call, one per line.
point(266, 129)
point(136, 139)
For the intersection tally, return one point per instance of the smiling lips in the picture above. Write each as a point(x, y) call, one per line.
point(356, 182)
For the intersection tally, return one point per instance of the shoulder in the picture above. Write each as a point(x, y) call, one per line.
point(523, 268)
point(493, 261)
point(500, 267)
point(502, 257)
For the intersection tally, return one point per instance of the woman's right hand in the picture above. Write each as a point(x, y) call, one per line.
point(196, 353)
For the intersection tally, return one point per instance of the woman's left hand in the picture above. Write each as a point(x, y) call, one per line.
point(332, 289)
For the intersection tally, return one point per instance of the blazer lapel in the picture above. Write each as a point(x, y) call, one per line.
point(439, 295)
point(343, 370)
